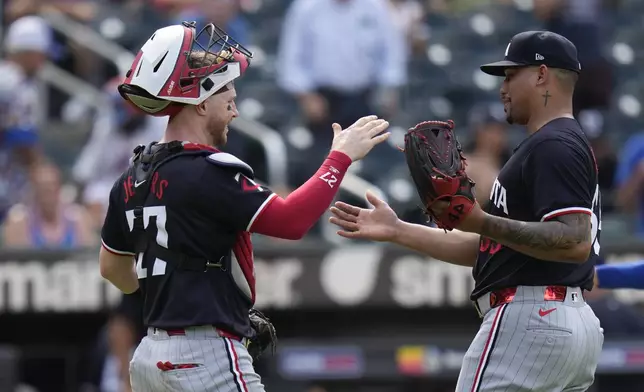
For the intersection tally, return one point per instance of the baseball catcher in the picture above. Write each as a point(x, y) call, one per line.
point(437, 166)
point(181, 217)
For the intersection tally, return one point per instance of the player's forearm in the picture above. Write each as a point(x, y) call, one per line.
point(455, 247)
point(118, 270)
point(122, 279)
point(621, 276)
point(565, 240)
point(291, 218)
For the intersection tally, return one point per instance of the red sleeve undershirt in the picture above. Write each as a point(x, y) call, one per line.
point(293, 217)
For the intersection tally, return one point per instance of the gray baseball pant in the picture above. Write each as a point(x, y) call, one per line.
point(533, 344)
point(200, 361)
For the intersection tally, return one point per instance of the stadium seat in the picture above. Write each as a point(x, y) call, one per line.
point(268, 36)
point(632, 7)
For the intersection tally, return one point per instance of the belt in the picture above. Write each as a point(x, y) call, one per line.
point(497, 298)
point(223, 334)
point(195, 331)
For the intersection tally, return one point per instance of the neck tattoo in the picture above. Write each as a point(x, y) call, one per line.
point(545, 98)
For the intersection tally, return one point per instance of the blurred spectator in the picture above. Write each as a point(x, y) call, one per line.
point(581, 22)
point(336, 57)
point(629, 179)
point(45, 221)
point(408, 16)
point(68, 54)
point(223, 13)
point(21, 111)
point(174, 6)
point(116, 132)
point(82, 10)
point(459, 6)
point(488, 151)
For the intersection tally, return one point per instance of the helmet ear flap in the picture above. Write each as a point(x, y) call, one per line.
point(147, 103)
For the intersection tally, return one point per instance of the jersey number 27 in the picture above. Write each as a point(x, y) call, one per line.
point(159, 212)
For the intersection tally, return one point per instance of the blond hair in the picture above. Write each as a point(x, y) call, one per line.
point(200, 58)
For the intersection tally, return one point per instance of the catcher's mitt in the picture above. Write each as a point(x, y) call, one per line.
point(437, 166)
point(265, 334)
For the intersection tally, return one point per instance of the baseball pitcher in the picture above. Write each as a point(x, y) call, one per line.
point(534, 249)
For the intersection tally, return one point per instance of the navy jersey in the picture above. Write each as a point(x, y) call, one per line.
point(551, 173)
point(199, 206)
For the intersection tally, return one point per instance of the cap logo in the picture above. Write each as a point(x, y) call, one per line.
point(538, 57)
point(507, 49)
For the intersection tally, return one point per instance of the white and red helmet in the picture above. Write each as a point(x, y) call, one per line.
point(161, 79)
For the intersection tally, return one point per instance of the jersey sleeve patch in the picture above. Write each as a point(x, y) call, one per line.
point(228, 160)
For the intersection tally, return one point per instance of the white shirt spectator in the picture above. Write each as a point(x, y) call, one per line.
point(346, 45)
point(406, 15)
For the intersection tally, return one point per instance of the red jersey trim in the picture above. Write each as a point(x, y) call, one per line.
point(261, 209)
point(566, 211)
point(115, 251)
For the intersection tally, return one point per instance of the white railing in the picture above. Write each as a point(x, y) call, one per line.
point(276, 152)
point(90, 39)
point(75, 87)
point(358, 186)
point(271, 140)
point(274, 148)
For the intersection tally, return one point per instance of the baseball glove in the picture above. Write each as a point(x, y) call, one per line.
point(437, 166)
point(265, 334)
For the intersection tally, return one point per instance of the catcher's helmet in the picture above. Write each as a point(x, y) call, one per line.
point(174, 67)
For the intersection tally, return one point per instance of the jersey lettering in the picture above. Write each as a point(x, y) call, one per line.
point(159, 212)
point(128, 187)
point(498, 197)
point(487, 244)
point(157, 187)
point(329, 179)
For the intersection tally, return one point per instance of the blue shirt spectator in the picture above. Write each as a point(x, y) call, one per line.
point(629, 179)
point(347, 45)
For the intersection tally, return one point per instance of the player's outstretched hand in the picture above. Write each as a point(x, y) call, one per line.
point(357, 140)
point(376, 224)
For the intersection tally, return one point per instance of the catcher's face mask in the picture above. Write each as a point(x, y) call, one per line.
point(177, 65)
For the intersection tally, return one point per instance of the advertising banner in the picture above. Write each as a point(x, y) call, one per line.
point(287, 278)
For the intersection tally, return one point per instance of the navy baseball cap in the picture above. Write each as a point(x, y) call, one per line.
point(532, 48)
